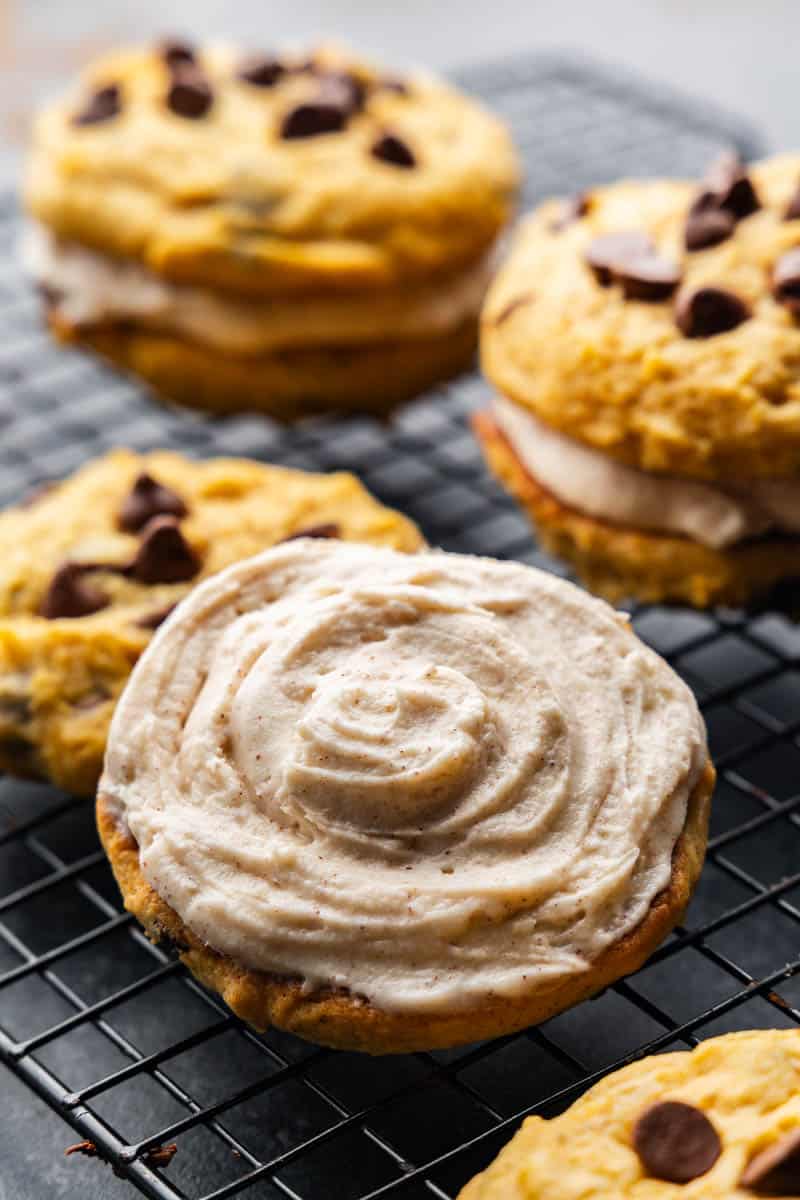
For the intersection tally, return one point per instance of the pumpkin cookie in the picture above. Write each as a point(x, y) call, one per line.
point(648, 414)
point(719, 1122)
point(282, 233)
point(384, 810)
point(90, 567)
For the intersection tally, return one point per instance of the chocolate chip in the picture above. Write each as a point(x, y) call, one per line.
point(313, 118)
point(708, 227)
point(572, 209)
point(776, 1170)
point(389, 148)
point(727, 185)
point(631, 260)
point(793, 208)
point(176, 52)
point(71, 595)
point(786, 281)
point(648, 277)
point(606, 253)
point(343, 89)
point(676, 1141)
point(708, 311)
point(103, 105)
point(262, 70)
point(164, 555)
point(152, 620)
point(147, 499)
point(329, 530)
point(189, 94)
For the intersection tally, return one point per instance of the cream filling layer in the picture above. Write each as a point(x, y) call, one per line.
point(89, 288)
point(431, 779)
point(588, 480)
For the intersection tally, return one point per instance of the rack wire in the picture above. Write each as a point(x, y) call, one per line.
point(112, 1031)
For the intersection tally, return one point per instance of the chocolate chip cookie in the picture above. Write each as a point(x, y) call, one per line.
point(720, 1121)
point(276, 232)
point(91, 567)
point(644, 342)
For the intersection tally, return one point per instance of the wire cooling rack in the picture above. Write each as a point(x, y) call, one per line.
point(136, 1056)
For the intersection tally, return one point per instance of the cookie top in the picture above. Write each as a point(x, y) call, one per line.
point(128, 535)
point(717, 1122)
point(262, 173)
point(657, 321)
point(399, 773)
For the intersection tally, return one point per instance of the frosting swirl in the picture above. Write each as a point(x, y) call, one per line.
point(429, 779)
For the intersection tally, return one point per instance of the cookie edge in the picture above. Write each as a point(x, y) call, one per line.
point(347, 1022)
point(618, 562)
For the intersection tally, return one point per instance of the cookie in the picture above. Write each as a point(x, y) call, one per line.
point(396, 776)
point(617, 562)
point(93, 565)
point(649, 394)
point(282, 233)
point(373, 379)
point(719, 1121)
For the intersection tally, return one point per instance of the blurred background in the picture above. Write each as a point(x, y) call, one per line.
point(741, 54)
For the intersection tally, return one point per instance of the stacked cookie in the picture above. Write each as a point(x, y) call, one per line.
point(288, 234)
point(644, 342)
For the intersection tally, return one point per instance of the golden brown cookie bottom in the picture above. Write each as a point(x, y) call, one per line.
point(286, 385)
point(348, 1022)
point(617, 562)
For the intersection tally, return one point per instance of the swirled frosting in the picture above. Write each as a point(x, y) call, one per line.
point(429, 778)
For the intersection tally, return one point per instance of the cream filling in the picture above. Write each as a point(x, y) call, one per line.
point(593, 483)
point(430, 779)
point(93, 289)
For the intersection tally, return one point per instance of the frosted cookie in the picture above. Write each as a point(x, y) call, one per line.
point(288, 234)
point(392, 802)
point(645, 348)
point(90, 567)
point(717, 1123)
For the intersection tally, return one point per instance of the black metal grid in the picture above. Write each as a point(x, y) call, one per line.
point(115, 1034)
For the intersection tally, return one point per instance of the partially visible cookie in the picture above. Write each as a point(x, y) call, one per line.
point(297, 232)
point(644, 341)
point(616, 561)
point(92, 566)
point(719, 1122)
